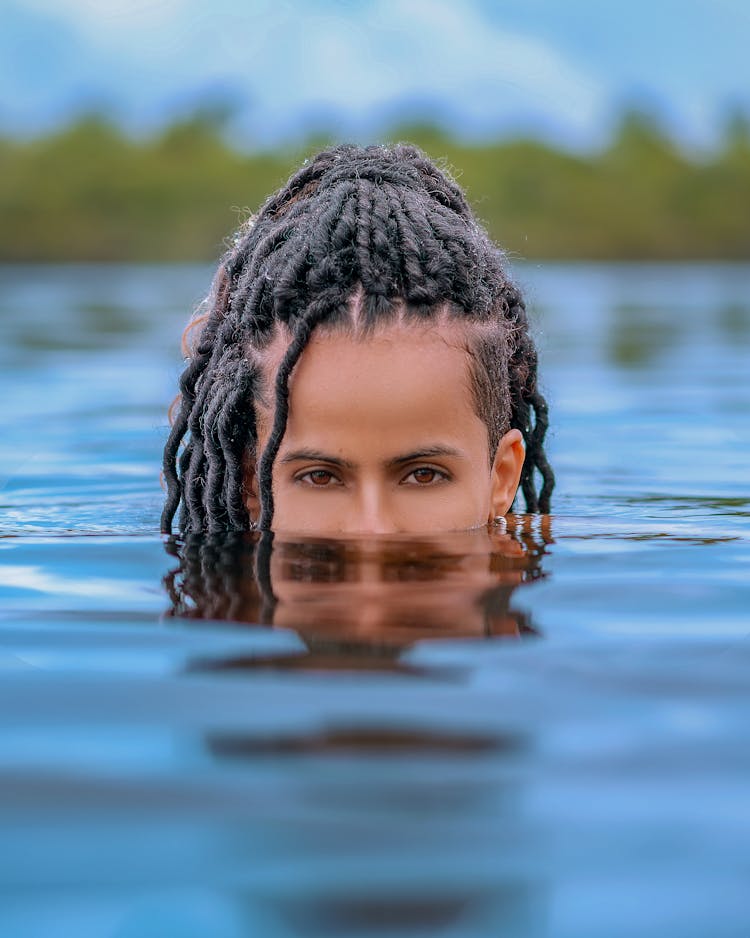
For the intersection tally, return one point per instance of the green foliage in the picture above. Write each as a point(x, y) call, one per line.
point(89, 193)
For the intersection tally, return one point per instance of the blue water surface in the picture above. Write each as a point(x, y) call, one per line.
point(169, 766)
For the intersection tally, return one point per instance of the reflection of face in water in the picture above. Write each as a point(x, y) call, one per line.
point(406, 789)
point(373, 595)
point(391, 593)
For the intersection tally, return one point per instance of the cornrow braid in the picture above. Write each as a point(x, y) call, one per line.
point(358, 236)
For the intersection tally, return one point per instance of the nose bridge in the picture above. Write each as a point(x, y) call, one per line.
point(374, 509)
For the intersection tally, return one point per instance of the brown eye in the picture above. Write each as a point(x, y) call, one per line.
point(425, 476)
point(319, 477)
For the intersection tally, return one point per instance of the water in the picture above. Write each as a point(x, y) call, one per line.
point(542, 733)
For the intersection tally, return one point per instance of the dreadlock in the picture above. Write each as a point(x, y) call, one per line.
point(379, 225)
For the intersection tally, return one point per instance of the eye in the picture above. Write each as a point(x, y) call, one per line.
point(320, 478)
point(426, 475)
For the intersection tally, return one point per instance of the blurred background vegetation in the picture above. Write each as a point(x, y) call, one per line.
point(89, 192)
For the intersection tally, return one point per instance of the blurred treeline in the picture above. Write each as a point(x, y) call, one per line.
point(90, 193)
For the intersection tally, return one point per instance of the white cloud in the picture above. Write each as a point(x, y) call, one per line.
point(291, 57)
point(93, 16)
point(362, 59)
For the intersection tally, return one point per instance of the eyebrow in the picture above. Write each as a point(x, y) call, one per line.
point(313, 455)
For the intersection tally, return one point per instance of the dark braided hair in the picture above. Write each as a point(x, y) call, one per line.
point(356, 238)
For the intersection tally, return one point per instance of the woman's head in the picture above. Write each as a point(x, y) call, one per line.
point(361, 317)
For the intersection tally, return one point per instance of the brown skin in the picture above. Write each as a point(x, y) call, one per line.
point(399, 591)
point(383, 438)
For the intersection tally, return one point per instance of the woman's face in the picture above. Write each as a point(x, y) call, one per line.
point(383, 438)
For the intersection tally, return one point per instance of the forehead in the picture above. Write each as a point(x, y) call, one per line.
point(407, 381)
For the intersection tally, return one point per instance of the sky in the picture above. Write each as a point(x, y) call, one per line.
point(560, 70)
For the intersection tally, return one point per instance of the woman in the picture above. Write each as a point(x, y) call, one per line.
point(363, 364)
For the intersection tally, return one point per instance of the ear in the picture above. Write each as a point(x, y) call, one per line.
point(250, 486)
point(506, 472)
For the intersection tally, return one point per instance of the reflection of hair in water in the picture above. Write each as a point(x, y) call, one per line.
point(379, 224)
point(224, 577)
point(227, 577)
